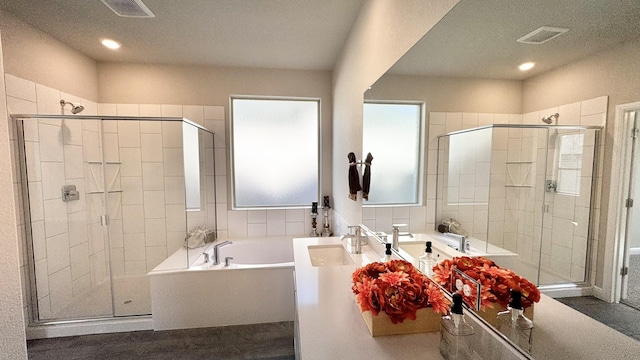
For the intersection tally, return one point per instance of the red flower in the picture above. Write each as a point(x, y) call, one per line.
point(496, 282)
point(397, 288)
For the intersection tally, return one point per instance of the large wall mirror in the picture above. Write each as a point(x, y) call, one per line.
point(514, 168)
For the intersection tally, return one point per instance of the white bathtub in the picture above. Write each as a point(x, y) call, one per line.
point(256, 288)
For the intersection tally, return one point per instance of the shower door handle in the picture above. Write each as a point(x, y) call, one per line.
point(104, 220)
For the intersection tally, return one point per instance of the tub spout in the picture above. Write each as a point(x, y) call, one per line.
point(216, 258)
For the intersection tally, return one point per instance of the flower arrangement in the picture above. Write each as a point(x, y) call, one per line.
point(396, 288)
point(496, 282)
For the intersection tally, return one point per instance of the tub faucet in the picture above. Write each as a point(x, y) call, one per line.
point(395, 230)
point(463, 244)
point(216, 258)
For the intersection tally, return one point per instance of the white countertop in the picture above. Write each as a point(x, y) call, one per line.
point(330, 324)
point(331, 327)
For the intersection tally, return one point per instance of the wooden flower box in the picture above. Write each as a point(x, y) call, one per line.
point(426, 320)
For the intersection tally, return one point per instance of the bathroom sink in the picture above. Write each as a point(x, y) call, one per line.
point(415, 250)
point(329, 255)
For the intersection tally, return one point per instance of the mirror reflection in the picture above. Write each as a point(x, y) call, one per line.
point(509, 164)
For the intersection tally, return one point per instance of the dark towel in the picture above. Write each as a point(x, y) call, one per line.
point(366, 177)
point(354, 178)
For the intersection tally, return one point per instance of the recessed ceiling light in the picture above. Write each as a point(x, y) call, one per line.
point(111, 44)
point(526, 66)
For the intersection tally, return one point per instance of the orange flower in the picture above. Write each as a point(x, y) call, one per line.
point(496, 282)
point(397, 288)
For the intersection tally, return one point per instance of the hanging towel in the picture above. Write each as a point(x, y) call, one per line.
point(354, 178)
point(366, 177)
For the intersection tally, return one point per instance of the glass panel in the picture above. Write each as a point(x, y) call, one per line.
point(565, 235)
point(66, 200)
point(631, 283)
point(202, 222)
point(191, 147)
point(275, 152)
point(391, 133)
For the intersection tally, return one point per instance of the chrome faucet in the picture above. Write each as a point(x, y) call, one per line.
point(463, 244)
point(395, 230)
point(356, 239)
point(216, 258)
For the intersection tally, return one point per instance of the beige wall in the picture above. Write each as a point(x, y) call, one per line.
point(207, 85)
point(33, 55)
point(451, 94)
point(383, 32)
point(12, 334)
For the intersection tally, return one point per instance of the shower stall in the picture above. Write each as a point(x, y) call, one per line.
point(525, 194)
point(105, 200)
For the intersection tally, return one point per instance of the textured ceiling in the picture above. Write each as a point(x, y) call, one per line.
point(478, 38)
point(289, 34)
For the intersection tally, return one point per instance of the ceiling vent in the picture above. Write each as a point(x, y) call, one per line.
point(542, 35)
point(129, 8)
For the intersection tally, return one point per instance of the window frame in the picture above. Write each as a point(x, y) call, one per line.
point(232, 175)
point(421, 166)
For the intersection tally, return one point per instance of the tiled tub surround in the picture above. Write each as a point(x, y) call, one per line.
point(256, 288)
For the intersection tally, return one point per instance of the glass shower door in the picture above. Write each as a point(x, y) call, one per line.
point(630, 294)
point(62, 178)
point(567, 206)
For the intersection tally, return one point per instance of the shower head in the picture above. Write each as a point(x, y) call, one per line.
point(549, 119)
point(74, 109)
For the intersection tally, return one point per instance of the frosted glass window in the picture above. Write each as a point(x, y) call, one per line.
point(392, 134)
point(274, 152)
point(191, 153)
point(570, 163)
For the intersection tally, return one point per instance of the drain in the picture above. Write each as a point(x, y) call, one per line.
point(127, 302)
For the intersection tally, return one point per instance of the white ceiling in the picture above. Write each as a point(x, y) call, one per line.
point(288, 34)
point(476, 39)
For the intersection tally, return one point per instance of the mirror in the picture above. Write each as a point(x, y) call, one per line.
point(464, 73)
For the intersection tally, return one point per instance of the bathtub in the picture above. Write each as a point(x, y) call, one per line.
point(256, 288)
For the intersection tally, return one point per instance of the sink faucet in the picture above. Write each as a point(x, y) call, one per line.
point(395, 230)
point(216, 258)
point(357, 238)
point(463, 244)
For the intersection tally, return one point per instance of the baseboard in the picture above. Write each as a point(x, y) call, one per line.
point(566, 291)
point(87, 327)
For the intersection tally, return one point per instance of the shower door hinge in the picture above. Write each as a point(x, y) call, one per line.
point(624, 271)
point(629, 203)
point(104, 220)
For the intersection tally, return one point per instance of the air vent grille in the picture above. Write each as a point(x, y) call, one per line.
point(542, 35)
point(129, 8)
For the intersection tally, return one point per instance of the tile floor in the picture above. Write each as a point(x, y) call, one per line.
point(260, 341)
point(617, 316)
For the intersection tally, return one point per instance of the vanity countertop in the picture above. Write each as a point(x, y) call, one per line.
point(331, 327)
point(329, 322)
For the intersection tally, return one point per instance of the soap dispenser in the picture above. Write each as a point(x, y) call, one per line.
point(387, 253)
point(426, 262)
point(454, 332)
point(513, 324)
